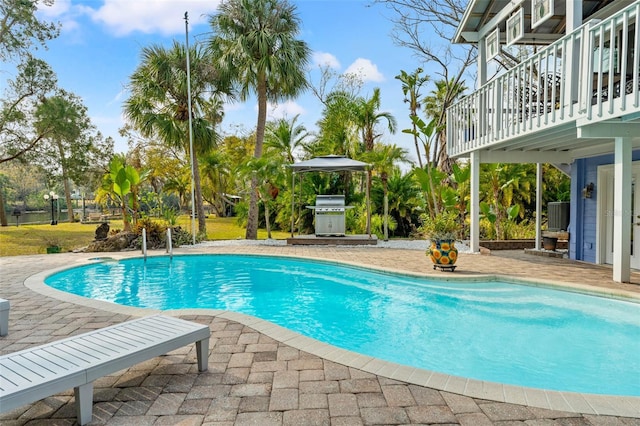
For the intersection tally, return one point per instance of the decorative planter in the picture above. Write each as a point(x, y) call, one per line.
point(443, 254)
point(53, 249)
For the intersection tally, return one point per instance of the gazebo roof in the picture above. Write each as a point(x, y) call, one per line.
point(329, 163)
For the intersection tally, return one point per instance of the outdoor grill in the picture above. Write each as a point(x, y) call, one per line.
point(329, 215)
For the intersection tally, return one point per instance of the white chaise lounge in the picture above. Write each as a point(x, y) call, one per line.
point(32, 374)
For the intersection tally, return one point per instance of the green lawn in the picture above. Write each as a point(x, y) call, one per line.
point(33, 239)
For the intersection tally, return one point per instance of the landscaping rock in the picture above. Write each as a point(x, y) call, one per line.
point(121, 241)
point(102, 232)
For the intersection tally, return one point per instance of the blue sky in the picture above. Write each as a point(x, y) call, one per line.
point(101, 40)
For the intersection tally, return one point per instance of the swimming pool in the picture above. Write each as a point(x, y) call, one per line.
point(493, 331)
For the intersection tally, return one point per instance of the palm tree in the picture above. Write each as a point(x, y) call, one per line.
point(216, 166)
point(284, 137)
point(405, 201)
point(254, 47)
point(436, 105)
point(411, 84)
point(179, 184)
point(367, 118)
point(338, 132)
point(269, 172)
point(460, 179)
point(158, 105)
point(384, 158)
point(504, 186)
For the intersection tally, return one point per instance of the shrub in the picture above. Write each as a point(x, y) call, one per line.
point(156, 233)
point(170, 216)
point(180, 237)
point(442, 226)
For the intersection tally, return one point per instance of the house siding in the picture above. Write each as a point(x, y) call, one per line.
point(583, 225)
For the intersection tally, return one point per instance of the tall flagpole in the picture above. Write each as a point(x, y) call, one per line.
point(193, 180)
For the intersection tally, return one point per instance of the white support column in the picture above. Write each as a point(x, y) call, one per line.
point(573, 16)
point(538, 205)
point(622, 211)
point(474, 231)
point(474, 158)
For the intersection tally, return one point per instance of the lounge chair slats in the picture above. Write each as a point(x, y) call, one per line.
point(21, 374)
point(75, 362)
point(59, 355)
point(52, 356)
point(37, 362)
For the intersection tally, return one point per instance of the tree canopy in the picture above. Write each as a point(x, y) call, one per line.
point(159, 103)
point(21, 30)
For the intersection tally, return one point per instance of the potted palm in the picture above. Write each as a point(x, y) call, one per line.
point(441, 230)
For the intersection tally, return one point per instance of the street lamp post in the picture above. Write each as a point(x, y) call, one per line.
point(53, 197)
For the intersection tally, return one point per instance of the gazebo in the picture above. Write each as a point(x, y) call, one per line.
point(328, 163)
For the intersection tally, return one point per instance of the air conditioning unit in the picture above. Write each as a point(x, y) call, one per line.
point(558, 216)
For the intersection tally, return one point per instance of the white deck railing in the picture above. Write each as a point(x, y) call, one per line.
point(566, 81)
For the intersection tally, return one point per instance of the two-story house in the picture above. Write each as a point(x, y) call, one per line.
point(573, 102)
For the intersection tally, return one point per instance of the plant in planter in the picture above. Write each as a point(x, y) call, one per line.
point(53, 244)
point(442, 230)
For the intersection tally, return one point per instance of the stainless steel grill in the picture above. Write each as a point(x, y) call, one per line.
point(329, 215)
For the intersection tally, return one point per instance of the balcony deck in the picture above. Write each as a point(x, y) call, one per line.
point(560, 103)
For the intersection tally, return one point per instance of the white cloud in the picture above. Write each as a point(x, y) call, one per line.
point(325, 59)
point(165, 17)
point(65, 13)
point(366, 70)
point(70, 25)
point(287, 109)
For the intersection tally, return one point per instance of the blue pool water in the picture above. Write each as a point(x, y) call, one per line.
point(493, 331)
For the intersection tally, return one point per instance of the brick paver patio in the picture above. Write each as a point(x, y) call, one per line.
point(254, 379)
